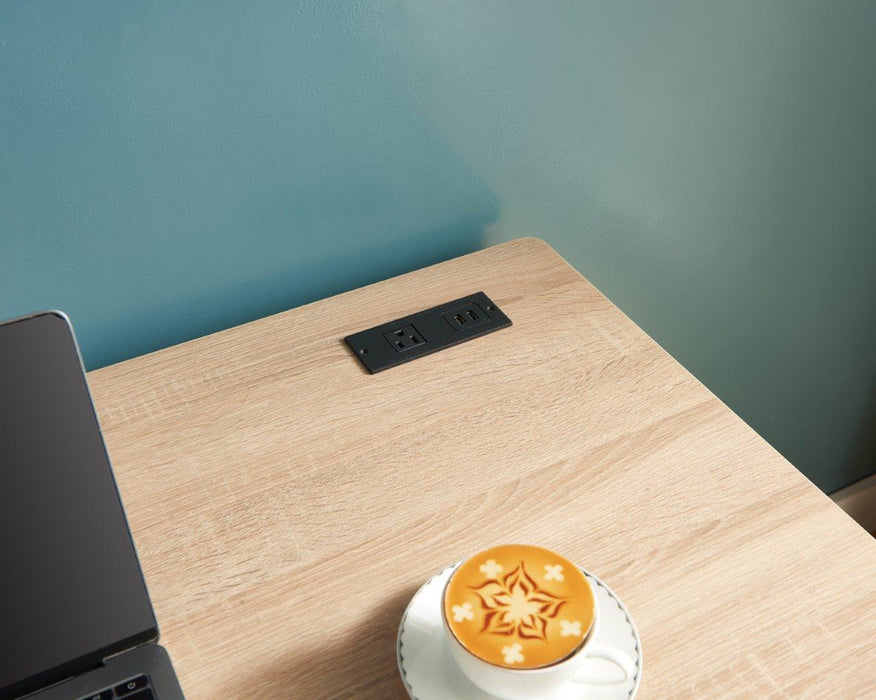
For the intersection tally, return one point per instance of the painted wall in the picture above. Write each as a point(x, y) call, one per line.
point(168, 169)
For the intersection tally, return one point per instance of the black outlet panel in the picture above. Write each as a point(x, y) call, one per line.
point(423, 333)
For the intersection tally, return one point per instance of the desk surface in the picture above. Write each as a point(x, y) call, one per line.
point(286, 504)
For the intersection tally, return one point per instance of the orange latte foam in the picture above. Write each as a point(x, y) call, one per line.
point(519, 606)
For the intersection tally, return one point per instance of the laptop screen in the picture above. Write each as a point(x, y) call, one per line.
point(71, 589)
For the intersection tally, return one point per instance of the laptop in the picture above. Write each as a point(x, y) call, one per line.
point(76, 622)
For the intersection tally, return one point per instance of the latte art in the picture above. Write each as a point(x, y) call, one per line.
point(519, 606)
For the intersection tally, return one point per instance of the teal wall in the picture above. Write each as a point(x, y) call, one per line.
point(168, 169)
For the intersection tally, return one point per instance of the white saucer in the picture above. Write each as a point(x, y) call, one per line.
point(430, 673)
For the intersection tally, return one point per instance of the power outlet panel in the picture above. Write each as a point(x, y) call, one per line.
point(425, 332)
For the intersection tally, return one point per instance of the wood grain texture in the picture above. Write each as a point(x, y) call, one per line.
point(286, 504)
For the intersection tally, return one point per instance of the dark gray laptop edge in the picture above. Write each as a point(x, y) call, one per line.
point(148, 659)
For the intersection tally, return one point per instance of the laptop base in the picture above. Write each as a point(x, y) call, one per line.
point(149, 660)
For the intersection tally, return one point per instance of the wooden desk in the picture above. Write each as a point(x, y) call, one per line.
point(286, 505)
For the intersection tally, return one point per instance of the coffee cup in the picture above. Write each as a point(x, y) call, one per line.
point(520, 622)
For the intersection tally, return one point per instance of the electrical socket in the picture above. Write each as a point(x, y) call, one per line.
point(423, 333)
point(466, 317)
point(404, 338)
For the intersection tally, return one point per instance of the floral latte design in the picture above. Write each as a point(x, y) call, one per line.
point(516, 605)
point(519, 606)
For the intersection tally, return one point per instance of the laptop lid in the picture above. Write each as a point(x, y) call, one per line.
point(71, 589)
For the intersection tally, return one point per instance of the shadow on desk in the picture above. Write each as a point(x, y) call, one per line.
point(336, 670)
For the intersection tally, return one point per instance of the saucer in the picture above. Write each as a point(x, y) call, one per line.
point(430, 673)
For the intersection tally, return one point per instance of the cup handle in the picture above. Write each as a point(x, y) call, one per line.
point(618, 658)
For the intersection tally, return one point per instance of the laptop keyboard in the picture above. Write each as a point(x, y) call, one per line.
point(137, 688)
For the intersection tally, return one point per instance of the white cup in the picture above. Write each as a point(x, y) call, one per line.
point(533, 683)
